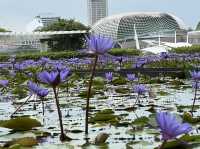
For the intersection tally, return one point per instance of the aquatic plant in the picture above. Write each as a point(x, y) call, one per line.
point(109, 76)
point(164, 55)
point(131, 77)
point(170, 127)
point(196, 78)
point(54, 78)
point(97, 45)
point(141, 61)
point(37, 90)
point(4, 83)
point(139, 89)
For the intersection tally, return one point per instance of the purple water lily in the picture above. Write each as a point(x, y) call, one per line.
point(35, 89)
point(131, 77)
point(109, 76)
point(4, 83)
point(42, 92)
point(99, 45)
point(140, 89)
point(164, 55)
point(19, 67)
point(195, 75)
point(44, 60)
point(53, 78)
point(170, 127)
point(59, 66)
point(140, 62)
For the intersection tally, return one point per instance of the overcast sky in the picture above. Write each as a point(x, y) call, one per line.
point(16, 14)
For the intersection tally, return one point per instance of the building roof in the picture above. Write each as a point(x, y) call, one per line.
point(147, 24)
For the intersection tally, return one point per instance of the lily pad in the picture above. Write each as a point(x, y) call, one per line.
point(122, 90)
point(20, 124)
point(25, 142)
point(176, 144)
point(163, 93)
point(105, 116)
point(141, 121)
point(119, 81)
point(83, 94)
point(177, 82)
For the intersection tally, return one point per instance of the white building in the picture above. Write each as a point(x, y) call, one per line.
point(48, 19)
point(41, 21)
point(150, 28)
point(97, 9)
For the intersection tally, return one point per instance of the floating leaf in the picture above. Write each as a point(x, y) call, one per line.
point(20, 123)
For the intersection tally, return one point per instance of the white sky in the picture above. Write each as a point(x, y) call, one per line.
point(16, 14)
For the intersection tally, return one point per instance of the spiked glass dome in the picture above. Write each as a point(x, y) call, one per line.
point(147, 24)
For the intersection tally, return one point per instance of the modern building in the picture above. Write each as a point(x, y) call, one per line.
point(147, 27)
point(41, 21)
point(97, 9)
point(16, 41)
point(194, 37)
point(48, 19)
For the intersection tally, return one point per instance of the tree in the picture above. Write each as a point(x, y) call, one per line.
point(65, 42)
point(198, 27)
point(3, 30)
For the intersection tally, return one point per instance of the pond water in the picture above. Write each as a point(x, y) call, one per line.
point(168, 97)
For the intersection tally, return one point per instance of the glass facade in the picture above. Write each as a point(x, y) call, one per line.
point(147, 24)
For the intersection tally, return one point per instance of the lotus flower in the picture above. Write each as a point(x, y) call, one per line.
point(109, 76)
point(140, 89)
point(4, 83)
point(170, 127)
point(35, 89)
point(131, 77)
point(195, 75)
point(99, 45)
point(53, 78)
point(164, 55)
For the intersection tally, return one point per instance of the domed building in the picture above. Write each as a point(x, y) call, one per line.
point(141, 25)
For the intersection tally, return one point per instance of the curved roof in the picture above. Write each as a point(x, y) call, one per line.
point(147, 24)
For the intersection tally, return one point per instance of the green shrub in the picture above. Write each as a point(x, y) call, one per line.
point(173, 64)
point(124, 52)
point(38, 55)
point(189, 50)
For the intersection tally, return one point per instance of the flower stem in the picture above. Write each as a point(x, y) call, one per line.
point(42, 100)
point(162, 145)
point(20, 106)
point(137, 99)
point(63, 137)
point(195, 95)
point(89, 93)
